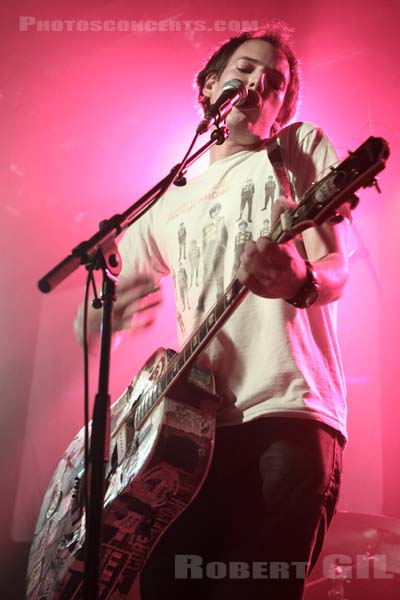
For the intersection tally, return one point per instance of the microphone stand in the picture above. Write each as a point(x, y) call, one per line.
point(101, 252)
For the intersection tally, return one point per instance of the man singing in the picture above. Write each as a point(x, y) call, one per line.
point(274, 481)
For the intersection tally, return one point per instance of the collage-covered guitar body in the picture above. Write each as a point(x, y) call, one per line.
point(155, 471)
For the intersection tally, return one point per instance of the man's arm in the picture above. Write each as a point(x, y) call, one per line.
point(278, 270)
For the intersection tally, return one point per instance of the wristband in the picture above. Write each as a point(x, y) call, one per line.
point(308, 294)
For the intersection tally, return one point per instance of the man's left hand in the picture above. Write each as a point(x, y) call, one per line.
point(272, 270)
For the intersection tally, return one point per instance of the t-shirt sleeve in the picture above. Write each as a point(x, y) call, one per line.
point(140, 252)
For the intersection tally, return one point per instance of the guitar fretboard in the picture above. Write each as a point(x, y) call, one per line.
point(196, 343)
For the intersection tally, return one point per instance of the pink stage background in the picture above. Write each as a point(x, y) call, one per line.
point(90, 120)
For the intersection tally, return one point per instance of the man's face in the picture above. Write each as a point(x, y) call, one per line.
point(263, 69)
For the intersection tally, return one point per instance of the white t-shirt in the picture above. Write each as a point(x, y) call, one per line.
point(269, 359)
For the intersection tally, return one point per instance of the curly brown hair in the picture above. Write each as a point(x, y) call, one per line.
point(279, 36)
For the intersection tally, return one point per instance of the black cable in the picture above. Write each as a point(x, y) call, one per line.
point(89, 281)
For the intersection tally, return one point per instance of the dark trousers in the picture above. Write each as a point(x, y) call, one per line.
point(258, 523)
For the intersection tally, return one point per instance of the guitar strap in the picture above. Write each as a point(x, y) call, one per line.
point(278, 165)
point(277, 162)
point(276, 159)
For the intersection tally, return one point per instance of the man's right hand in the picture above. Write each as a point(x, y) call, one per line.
point(134, 309)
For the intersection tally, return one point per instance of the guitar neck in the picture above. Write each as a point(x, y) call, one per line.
point(319, 204)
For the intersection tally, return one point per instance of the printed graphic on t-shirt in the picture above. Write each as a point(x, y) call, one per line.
point(270, 187)
point(182, 241)
point(181, 324)
point(183, 287)
point(266, 229)
point(203, 262)
point(242, 236)
point(246, 199)
point(187, 206)
point(194, 262)
point(214, 241)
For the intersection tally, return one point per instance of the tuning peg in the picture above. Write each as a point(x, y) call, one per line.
point(354, 200)
point(336, 218)
point(376, 185)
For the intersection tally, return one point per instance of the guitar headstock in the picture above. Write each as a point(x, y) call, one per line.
point(322, 200)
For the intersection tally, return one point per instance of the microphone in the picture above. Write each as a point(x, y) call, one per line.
point(233, 93)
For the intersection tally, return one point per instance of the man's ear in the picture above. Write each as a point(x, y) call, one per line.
point(211, 81)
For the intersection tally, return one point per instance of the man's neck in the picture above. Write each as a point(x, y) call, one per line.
point(232, 146)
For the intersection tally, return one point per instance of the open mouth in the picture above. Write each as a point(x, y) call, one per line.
point(253, 100)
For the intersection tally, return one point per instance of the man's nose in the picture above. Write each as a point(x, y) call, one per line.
point(258, 82)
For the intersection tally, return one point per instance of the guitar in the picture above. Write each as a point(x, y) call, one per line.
point(162, 432)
